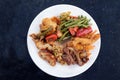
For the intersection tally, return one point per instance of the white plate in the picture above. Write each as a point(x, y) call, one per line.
point(60, 70)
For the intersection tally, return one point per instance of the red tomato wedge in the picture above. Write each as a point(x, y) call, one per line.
point(83, 31)
point(51, 37)
point(72, 32)
point(75, 29)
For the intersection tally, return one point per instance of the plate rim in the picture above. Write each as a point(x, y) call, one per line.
point(45, 10)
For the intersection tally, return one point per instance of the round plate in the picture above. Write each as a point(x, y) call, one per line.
point(60, 70)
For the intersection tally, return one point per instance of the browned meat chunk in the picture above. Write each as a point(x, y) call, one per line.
point(71, 56)
point(48, 57)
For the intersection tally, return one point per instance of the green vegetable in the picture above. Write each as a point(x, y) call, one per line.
point(67, 37)
point(63, 36)
point(65, 29)
point(45, 32)
point(72, 23)
point(80, 22)
point(65, 22)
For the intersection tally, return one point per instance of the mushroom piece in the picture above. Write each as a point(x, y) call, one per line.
point(48, 57)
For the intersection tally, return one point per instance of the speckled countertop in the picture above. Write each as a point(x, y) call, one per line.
point(15, 19)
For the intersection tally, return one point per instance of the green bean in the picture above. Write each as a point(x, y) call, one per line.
point(77, 24)
point(68, 34)
point(80, 22)
point(83, 25)
point(63, 24)
point(45, 32)
point(62, 37)
point(88, 21)
point(74, 22)
point(65, 29)
point(85, 22)
point(81, 16)
point(66, 22)
point(68, 37)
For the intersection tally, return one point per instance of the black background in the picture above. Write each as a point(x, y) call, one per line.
point(15, 19)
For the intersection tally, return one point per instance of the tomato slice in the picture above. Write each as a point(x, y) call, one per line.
point(72, 32)
point(51, 37)
point(76, 28)
point(83, 31)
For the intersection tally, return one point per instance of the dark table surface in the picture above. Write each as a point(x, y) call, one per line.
point(15, 19)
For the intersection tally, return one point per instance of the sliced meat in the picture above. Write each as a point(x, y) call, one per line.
point(72, 56)
point(69, 59)
point(79, 61)
point(66, 59)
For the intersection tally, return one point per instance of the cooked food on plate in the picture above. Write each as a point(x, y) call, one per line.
point(65, 39)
